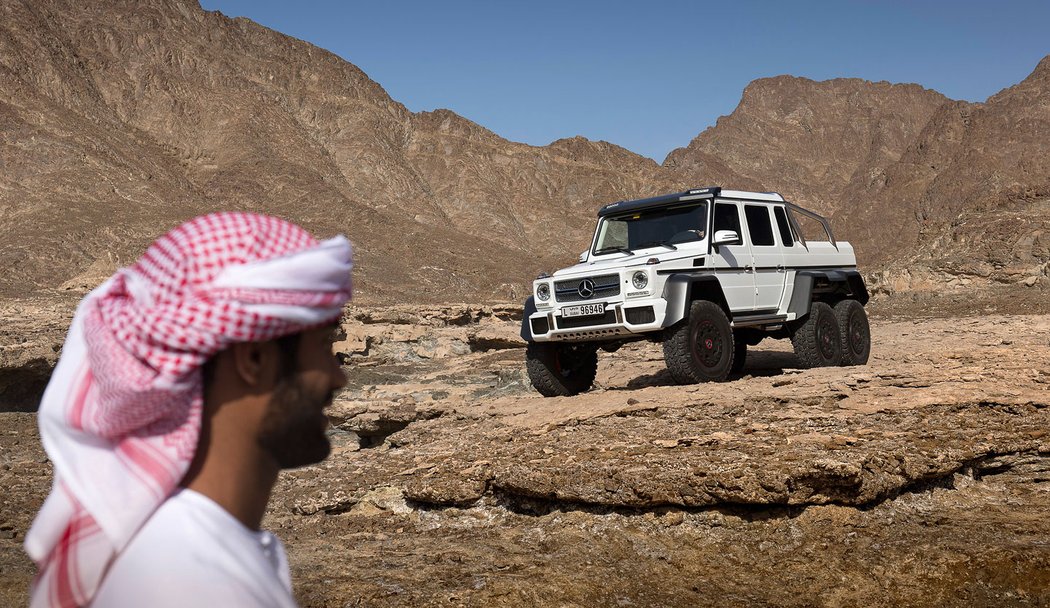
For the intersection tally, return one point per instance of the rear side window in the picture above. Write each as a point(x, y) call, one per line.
point(758, 225)
point(785, 229)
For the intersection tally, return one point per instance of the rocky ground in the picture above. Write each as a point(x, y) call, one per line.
point(922, 478)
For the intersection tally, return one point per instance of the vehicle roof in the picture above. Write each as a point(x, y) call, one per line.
point(687, 195)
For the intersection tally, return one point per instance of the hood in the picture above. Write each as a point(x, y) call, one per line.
point(615, 261)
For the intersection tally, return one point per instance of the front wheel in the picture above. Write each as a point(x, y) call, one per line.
point(854, 331)
point(561, 370)
point(817, 340)
point(700, 349)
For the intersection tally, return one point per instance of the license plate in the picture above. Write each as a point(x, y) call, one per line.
point(584, 310)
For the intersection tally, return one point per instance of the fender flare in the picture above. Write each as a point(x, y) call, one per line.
point(850, 281)
point(530, 309)
point(681, 289)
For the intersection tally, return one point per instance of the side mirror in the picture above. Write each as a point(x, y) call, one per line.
point(583, 257)
point(726, 237)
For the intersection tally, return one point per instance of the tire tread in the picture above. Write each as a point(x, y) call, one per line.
point(677, 350)
point(804, 338)
point(539, 362)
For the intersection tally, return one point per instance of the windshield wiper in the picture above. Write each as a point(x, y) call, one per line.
point(657, 244)
point(612, 249)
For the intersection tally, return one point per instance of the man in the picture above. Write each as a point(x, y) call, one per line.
point(186, 383)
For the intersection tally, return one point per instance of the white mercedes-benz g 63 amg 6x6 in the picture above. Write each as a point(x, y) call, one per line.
point(707, 272)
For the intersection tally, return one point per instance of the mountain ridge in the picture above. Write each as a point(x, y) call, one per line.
point(124, 118)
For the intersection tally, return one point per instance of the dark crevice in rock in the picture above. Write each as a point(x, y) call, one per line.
point(1032, 464)
point(480, 344)
point(22, 387)
point(374, 428)
point(377, 434)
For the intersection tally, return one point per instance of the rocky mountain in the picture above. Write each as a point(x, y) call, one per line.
point(120, 119)
point(929, 190)
point(811, 140)
point(971, 194)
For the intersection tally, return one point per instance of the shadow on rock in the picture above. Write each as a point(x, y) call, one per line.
point(660, 378)
point(768, 363)
point(762, 364)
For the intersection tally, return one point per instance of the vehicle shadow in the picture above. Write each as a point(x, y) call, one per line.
point(759, 364)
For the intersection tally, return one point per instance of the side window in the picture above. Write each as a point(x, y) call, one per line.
point(727, 217)
point(758, 225)
point(785, 230)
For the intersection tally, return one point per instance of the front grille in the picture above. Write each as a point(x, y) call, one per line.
point(540, 326)
point(607, 319)
point(605, 286)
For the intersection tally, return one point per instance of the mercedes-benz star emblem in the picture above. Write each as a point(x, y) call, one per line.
point(586, 288)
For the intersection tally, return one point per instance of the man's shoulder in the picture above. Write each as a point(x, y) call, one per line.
point(188, 516)
point(190, 546)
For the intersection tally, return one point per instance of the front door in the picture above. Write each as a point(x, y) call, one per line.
point(733, 263)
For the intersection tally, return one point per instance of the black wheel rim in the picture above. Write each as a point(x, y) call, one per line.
point(858, 334)
point(708, 344)
point(826, 337)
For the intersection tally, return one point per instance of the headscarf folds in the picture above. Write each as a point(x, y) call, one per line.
point(121, 415)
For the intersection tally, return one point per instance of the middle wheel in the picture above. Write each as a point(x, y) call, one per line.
point(700, 348)
point(739, 354)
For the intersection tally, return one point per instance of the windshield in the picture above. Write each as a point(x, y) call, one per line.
point(651, 227)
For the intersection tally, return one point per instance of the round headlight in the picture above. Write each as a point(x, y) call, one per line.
point(640, 279)
point(543, 291)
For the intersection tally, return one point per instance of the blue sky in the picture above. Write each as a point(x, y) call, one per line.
point(651, 76)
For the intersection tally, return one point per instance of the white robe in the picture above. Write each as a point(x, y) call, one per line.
point(192, 552)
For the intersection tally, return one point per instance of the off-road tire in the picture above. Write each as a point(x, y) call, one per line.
point(700, 347)
point(816, 340)
point(854, 331)
point(739, 354)
point(561, 370)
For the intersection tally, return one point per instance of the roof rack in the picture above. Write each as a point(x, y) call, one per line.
point(657, 201)
point(793, 208)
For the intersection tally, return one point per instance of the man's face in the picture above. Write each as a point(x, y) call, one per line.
point(293, 428)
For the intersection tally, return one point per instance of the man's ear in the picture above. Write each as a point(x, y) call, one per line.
point(255, 363)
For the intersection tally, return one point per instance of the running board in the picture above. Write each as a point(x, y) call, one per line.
point(744, 321)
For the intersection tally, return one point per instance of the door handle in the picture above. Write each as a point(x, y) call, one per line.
point(780, 268)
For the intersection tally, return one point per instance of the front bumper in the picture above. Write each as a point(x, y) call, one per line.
point(620, 319)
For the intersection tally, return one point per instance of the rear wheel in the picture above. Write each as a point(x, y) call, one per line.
point(854, 331)
point(700, 348)
point(817, 340)
point(561, 370)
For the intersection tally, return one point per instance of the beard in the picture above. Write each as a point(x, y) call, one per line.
point(293, 428)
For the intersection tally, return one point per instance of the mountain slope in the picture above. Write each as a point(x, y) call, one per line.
point(226, 114)
point(121, 119)
point(810, 140)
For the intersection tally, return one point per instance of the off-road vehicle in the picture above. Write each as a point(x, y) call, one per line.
point(707, 272)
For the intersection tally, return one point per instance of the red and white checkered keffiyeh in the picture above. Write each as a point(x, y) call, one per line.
point(121, 415)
